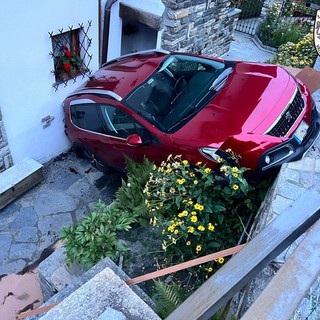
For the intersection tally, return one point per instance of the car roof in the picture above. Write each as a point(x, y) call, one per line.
point(122, 75)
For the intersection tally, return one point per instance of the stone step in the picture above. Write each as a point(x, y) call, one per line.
point(58, 281)
point(105, 296)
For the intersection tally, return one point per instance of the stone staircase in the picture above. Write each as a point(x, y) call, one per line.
point(100, 293)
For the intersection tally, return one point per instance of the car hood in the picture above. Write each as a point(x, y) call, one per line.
point(251, 100)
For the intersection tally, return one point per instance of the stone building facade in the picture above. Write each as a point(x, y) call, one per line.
point(201, 26)
point(5, 156)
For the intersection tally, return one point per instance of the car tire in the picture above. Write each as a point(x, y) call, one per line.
point(95, 162)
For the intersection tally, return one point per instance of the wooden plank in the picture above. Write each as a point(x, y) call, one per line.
point(133, 14)
point(291, 283)
point(245, 265)
point(18, 179)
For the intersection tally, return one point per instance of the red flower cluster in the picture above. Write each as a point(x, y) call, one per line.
point(67, 66)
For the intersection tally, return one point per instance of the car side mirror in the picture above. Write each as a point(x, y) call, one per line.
point(134, 140)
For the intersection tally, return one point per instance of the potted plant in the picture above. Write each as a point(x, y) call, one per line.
point(68, 64)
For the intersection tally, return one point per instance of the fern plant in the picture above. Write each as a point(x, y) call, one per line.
point(130, 196)
point(168, 297)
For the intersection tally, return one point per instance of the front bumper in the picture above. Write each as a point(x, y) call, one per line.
point(290, 150)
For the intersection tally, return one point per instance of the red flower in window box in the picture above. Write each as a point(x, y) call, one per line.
point(67, 67)
point(69, 62)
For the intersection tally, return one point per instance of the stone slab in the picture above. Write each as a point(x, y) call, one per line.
point(103, 291)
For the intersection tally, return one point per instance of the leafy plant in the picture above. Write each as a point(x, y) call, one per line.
point(250, 8)
point(297, 55)
point(94, 238)
point(277, 29)
point(130, 196)
point(167, 297)
point(202, 209)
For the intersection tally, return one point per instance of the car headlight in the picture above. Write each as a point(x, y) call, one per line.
point(210, 153)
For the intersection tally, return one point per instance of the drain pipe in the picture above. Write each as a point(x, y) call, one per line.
point(106, 30)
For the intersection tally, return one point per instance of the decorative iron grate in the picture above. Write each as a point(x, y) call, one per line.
point(70, 54)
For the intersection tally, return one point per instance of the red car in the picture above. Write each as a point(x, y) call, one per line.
point(155, 103)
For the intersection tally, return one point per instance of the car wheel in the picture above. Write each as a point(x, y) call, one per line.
point(96, 162)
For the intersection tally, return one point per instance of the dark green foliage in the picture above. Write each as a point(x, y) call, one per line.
point(250, 8)
point(94, 238)
point(130, 196)
point(168, 297)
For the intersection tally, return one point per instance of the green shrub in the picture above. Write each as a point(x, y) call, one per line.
point(276, 30)
point(250, 8)
point(203, 211)
point(94, 238)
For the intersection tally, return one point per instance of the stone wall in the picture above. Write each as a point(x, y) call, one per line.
point(5, 156)
point(201, 26)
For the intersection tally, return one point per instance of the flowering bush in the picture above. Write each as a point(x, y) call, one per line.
point(202, 209)
point(68, 62)
point(297, 55)
point(276, 30)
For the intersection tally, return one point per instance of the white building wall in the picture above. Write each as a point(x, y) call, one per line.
point(26, 91)
point(152, 6)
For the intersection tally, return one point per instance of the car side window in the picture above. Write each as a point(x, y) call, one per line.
point(119, 123)
point(86, 116)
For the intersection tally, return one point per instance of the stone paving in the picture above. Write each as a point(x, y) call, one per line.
point(33, 222)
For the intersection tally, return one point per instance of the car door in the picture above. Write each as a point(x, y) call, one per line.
point(120, 126)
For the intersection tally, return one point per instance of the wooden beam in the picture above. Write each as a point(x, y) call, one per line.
point(133, 14)
point(291, 283)
point(18, 179)
point(245, 265)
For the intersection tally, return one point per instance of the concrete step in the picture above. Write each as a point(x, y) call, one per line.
point(58, 281)
point(103, 297)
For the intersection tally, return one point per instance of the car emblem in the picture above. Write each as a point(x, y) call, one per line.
point(316, 32)
point(288, 116)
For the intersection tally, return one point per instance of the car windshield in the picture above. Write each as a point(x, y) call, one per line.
point(178, 89)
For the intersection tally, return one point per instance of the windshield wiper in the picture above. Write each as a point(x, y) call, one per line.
point(221, 80)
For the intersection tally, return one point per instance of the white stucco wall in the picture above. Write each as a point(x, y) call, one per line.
point(152, 6)
point(26, 91)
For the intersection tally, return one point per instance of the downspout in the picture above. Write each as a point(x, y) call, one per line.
point(106, 30)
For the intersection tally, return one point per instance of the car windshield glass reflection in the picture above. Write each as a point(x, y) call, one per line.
point(177, 90)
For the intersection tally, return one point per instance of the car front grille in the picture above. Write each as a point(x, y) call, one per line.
point(287, 119)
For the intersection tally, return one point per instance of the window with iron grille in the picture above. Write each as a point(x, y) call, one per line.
point(70, 54)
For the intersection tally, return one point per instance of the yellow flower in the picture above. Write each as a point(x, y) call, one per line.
point(196, 206)
point(195, 182)
point(192, 174)
point(171, 228)
point(185, 161)
point(207, 170)
point(235, 187)
point(220, 160)
point(198, 248)
point(172, 190)
point(235, 175)
point(194, 219)
point(176, 231)
point(201, 207)
point(201, 228)
point(210, 226)
point(181, 181)
point(228, 150)
point(190, 202)
point(193, 213)
point(198, 163)
point(221, 260)
point(223, 168)
point(234, 169)
point(191, 229)
point(188, 243)
point(210, 269)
